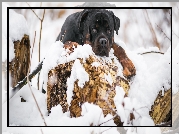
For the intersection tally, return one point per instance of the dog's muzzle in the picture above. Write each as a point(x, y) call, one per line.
point(103, 45)
point(103, 42)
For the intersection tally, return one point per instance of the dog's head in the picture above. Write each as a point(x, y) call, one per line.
point(97, 27)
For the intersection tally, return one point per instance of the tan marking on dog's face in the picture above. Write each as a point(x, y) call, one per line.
point(112, 40)
point(87, 39)
point(87, 42)
point(87, 36)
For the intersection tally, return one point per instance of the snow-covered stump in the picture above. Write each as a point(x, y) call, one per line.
point(19, 47)
point(99, 89)
point(57, 87)
point(75, 76)
point(161, 110)
point(19, 65)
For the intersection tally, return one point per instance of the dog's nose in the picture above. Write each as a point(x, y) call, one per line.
point(103, 41)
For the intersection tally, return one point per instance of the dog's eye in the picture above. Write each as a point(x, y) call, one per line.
point(108, 31)
point(94, 30)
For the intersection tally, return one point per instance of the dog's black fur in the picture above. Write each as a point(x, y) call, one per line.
point(91, 26)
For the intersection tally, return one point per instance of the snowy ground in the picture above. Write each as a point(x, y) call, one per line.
point(153, 71)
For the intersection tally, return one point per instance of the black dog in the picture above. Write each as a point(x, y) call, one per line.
point(91, 26)
point(96, 27)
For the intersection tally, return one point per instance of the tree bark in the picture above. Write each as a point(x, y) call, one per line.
point(18, 67)
point(97, 90)
point(161, 110)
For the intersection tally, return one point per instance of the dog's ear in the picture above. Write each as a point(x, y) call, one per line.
point(82, 17)
point(116, 22)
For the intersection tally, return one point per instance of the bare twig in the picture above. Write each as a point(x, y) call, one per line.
point(108, 120)
point(105, 130)
point(24, 81)
point(31, 88)
point(41, 32)
point(41, 22)
point(175, 34)
point(34, 12)
point(100, 117)
point(152, 30)
point(142, 107)
point(33, 47)
point(37, 103)
point(163, 32)
point(42, 131)
point(150, 52)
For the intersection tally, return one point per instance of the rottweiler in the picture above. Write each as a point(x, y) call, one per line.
point(96, 27)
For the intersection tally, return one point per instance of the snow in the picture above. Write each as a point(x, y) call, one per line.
point(143, 130)
point(11, 49)
point(77, 73)
point(4, 36)
point(97, 118)
point(59, 55)
point(27, 111)
point(148, 82)
point(145, 121)
point(175, 70)
point(17, 26)
point(108, 78)
point(118, 99)
point(153, 71)
point(95, 64)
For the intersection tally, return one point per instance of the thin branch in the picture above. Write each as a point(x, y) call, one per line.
point(108, 120)
point(163, 32)
point(152, 30)
point(150, 52)
point(24, 81)
point(33, 46)
point(100, 117)
point(34, 12)
point(105, 130)
point(142, 107)
point(36, 102)
point(41, 22)
point(31, 88)
point(175, 34)
point(42, 131)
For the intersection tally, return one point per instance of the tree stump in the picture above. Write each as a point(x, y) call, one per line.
point(97, 90)
point(161, 110)
point(18, 67)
